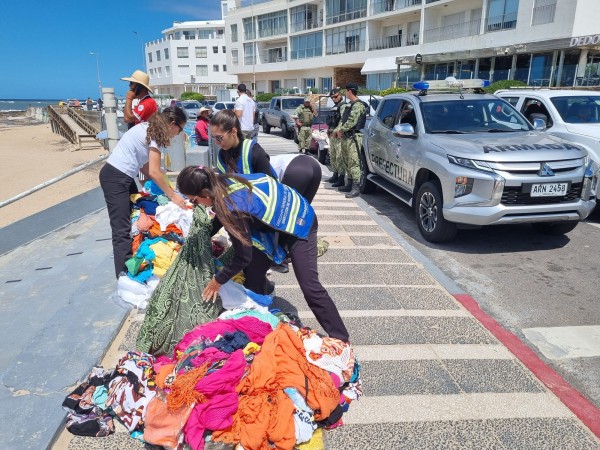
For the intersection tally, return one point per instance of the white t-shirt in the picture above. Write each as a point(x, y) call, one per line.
point(132, 152)
point(280, 163)
point(247, 106)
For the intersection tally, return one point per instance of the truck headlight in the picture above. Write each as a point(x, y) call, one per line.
point(470, 163)
point(463, 186)
point(590, 181)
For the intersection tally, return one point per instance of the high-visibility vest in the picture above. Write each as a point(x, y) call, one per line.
point(277, 206)
point(244, 161)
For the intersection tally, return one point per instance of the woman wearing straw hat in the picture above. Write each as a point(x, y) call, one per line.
point(139, 88)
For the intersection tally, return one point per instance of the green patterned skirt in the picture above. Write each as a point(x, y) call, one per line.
point(176, 306)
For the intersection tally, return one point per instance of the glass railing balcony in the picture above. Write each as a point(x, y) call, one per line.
point(346, 16)
point(249, 60)
point(503, 22)
point(543, 14)
point(305, 25)
point(273, 55)
point(414, 40)
point(385, 42)
point(271, 31)
point(452, 31)
point(381, 6)
point(249, 35)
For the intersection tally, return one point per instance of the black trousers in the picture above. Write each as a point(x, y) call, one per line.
point(117, 188)
point(304, 261)
point(303, 174)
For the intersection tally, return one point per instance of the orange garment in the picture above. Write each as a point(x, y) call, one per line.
point(162, 426)
point(265, 412)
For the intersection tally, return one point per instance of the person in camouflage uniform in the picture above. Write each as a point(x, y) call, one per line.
point(335, 143)
point(304, 115)
point(353, 120)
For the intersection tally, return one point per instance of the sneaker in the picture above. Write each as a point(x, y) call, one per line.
point(281, 268)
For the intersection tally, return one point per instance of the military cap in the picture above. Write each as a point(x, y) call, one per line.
point(335, 91)
point(306, 99)
point(352, 86)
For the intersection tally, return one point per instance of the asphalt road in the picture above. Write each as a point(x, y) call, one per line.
point(522, 279)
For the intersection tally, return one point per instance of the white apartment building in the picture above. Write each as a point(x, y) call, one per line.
point(191, 56)
point(277, 44)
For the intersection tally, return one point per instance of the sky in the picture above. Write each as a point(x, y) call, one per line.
point(45, 45)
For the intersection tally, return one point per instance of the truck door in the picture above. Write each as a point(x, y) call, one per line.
point(379, 136)
point(403, 150)
point(535, 108)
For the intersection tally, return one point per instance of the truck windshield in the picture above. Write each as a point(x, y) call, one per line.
point(292, 103)
point(472, 116)
point(578, 109)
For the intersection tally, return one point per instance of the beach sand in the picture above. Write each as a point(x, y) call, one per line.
point(32, 154)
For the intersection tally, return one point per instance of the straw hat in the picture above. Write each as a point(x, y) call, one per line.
point(139, 77)
point(204, 108)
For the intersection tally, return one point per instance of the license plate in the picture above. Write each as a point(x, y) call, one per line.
point(549, 189)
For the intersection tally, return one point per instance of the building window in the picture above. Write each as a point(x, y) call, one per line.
point(205, 34)
point(307, 46)
point(326, 84)
point(189, 35)
point(350, 38)
point(182, 52)
point(150, 57)
point(158, 55)
point(272, 24)
point(344, 10)
point(234, 35)
point(249, 55)
point(166, 53)
point(502, 15)
point(224, 49)
point(215, 67)
point(234, 57)
point(215, 49)
point(201, 52)
point(201, 71)
point(308, 83)
point(224, 67)
point(159, 72)
point(543, 12)
point(305, 17)
point(167, 71)
point(249, 32)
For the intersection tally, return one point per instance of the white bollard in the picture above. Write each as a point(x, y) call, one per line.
point(110, 116)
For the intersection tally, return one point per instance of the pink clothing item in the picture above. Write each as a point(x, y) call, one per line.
point(201, 128)
point(255, 329)
point(221, 401)
point(209, 355)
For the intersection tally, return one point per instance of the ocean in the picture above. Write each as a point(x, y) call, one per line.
point(18, 104)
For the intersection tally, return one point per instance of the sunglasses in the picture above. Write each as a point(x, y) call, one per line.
point(220, 137)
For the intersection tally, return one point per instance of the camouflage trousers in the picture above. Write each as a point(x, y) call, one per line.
point(335, 155)
point(304, 138)
point(350, 159)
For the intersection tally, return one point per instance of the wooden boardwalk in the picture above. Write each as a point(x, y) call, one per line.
point(75, 126)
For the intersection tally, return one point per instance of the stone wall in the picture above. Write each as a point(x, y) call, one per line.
point(343, 75)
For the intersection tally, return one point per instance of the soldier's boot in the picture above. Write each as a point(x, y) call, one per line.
point(333, 178)
point(355, 192)
point(348, 186)
point(340, 181)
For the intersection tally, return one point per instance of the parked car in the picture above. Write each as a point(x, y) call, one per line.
point(470, 159)
point(191, 108)
point(573, 115)
point(261, 108)
point(218, 106)
point(279, 114)
point(209, 103)
point(319, 124)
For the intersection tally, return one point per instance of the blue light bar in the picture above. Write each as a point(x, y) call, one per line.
point(421, 86)
point(450, 82)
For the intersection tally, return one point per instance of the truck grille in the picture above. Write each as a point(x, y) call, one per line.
point(512, 195)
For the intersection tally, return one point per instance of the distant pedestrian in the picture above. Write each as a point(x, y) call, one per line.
point(138, 150)
point(335, 143)
point(77, 104)
point(244, 109)
point(139, 88)
point(201, 128)
point(304, 116)
point(60, 104)
point(99, 102)
point(89, 104)
point(256, 116)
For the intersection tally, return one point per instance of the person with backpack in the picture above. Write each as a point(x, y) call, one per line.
point(349, 129)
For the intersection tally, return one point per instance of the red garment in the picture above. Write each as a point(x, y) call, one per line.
point(145, 109)
point(201, 129)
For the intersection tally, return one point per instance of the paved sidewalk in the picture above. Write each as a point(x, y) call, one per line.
point(434, 376)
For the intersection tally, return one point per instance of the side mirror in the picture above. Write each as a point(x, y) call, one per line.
point(277, 108)
point(403, 129)
point(539, 123)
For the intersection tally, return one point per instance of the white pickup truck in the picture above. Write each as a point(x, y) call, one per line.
point(279, 114)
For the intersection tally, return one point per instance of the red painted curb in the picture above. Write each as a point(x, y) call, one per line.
point(577, 403)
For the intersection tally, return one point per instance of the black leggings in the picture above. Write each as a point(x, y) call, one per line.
point(117, 188)
point(303, 173)
point(304, 261)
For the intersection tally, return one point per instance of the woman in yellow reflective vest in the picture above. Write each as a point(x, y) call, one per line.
point(256, 205)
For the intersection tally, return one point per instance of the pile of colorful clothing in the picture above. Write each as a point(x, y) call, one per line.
point(249, 379)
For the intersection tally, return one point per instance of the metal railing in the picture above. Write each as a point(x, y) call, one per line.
point(385, 42)
point(249, 60)
point(305, 25)
point(380, 6)
point(271, 31)
point(543, 14)
point(346, 16)
point(503, 22)
point(458, 30)
point(274, 55)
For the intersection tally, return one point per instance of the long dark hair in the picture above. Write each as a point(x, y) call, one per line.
point(158, 125)
point(204, 182)
point(226, 120)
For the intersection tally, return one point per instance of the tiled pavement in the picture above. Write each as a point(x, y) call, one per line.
point(434, 377)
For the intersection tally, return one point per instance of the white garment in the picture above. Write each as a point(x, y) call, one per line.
point(280, 163)
point(247, 106)
point(172, 214)
point(132, 152)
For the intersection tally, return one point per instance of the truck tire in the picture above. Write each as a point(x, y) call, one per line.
point(430, 216)
point(555, 228)
point(366, 186)
point(285, 131)
point(266, 126)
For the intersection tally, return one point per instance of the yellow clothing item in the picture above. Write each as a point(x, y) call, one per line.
point(165, 252)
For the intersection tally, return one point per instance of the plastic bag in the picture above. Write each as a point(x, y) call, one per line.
point(234, 295)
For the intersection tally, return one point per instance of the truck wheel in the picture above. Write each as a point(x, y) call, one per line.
point(285, 131)
point(555, 228)
point(266, 126)
point(366, 186)
point(430, 216)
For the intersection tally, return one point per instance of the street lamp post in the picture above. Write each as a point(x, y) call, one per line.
point(98, 70)
point(143, 50)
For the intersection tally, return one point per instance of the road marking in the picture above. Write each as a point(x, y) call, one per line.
point(308, 314)
point(430, 352)
point(329, 212)
point(566, 342)
point(484, 406)
point(597, 225)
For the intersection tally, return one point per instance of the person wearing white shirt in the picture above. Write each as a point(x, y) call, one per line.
point(244, 109)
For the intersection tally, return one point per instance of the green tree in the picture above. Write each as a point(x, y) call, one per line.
point(392, 90)
point(503, 84)
point(265, 97)
point(192, 96)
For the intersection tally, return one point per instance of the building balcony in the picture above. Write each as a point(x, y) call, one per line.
point(452, 31)
point(543, 14)
point(385, 42)
point(249, 60)
point(500, 23)
point(346, 16)
point(249, 35)
point(381, 6)
point(273, 55)
point(305, 25)
point(268, 32)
